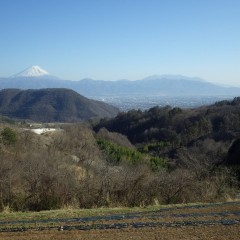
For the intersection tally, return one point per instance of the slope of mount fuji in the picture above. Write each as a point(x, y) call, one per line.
point(33, 71)
point(33, 77)
point(52, 105)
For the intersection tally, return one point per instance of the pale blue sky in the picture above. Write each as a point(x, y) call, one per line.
point(122, 39)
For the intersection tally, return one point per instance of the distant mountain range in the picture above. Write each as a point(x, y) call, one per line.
point(165, 85)
point(52, 105)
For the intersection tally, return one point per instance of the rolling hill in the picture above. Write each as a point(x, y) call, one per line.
point(51, 105)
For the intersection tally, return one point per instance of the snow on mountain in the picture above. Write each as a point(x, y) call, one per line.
point(33, 71)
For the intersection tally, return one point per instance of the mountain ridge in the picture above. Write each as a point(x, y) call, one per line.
point(163, 85)
point(52, 105)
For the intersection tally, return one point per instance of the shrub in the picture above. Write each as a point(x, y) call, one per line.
point(9, 136)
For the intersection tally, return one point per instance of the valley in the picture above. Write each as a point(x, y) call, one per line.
point(145, 102)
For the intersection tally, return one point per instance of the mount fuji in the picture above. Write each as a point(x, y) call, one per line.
point(33, 77)
point(33, 71)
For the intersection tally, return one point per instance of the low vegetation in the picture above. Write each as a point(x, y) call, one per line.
point(173, 156)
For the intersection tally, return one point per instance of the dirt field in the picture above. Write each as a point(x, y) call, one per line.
point(214, 221)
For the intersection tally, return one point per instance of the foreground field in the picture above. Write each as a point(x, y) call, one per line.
point(211, 221)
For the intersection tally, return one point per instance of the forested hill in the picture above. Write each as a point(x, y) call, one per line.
point(210, 129)
point(52, 105)
point(220, 121)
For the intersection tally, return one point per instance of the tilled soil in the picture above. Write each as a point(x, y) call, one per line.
point(215, 221)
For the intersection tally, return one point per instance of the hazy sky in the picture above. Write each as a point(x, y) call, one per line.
point(122, 39)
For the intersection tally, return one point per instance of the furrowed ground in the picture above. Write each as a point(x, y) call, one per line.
point(218, 221)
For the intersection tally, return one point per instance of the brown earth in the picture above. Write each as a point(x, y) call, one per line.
point(158, 233)
point(213, 225)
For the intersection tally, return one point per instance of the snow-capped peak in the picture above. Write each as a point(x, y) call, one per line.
point(33, 71)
